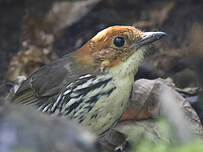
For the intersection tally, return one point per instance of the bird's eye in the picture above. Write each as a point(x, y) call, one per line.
point(119, 41)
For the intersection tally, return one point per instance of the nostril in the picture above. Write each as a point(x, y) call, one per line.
point(143, 35)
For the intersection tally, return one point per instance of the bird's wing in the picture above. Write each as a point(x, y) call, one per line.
point(48, 81)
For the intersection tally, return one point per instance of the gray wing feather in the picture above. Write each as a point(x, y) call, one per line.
point(48, 80)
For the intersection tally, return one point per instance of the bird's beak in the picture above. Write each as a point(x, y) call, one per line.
point(149, 37)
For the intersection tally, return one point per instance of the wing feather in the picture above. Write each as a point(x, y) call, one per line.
point(44, 84)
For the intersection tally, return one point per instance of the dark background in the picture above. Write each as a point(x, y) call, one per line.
point(36, 27)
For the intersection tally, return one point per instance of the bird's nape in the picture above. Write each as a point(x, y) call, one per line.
point(77, 86)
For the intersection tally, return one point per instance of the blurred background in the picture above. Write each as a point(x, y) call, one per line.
point(33, 33)
point(58, 27)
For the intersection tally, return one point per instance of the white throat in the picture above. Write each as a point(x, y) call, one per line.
point(130, 67)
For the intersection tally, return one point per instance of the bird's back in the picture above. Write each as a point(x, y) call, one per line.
point(49, 80)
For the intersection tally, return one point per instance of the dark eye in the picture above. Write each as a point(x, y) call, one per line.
point(119, 41)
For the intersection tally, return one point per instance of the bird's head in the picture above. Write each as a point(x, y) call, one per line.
point(115, 45)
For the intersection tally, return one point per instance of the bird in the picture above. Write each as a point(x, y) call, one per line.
point(91, 85)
